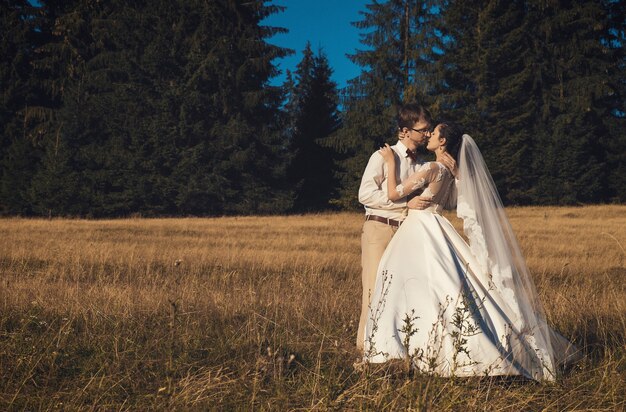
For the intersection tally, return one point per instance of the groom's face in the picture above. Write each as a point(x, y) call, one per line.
point(419, 133)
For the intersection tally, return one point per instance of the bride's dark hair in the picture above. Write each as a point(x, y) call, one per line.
point(453, 133)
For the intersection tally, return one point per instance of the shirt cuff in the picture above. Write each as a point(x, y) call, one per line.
point(400, 190)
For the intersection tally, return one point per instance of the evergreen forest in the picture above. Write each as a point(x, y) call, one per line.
point(117, 108)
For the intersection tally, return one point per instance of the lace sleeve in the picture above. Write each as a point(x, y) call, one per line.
point(400, 190)
point(424, 175)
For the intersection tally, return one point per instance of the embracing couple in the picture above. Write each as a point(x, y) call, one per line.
point(450, 307)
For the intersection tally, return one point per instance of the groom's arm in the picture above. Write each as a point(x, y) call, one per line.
point(371, 193)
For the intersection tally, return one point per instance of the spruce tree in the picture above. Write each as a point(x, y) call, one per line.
point(614, 119)
point(81, 173)
point(530, 80)
point(486, 85)
point(160, 107)
point(398, 40)
point(21, 111)
point(312, 110)
point(571, 65)
point(233, 160)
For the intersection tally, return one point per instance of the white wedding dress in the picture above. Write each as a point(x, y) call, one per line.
point(439, 304)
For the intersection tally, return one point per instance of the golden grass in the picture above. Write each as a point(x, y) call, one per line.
point(99, 314)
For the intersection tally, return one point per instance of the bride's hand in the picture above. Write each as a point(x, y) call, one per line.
point(387, 154)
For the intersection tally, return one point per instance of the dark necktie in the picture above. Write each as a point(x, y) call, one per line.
point(411, 154)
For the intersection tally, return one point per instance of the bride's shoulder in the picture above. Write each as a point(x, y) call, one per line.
point(427, 166)
point(436, 166)
point(442, 170)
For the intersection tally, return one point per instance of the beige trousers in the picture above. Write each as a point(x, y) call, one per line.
point(374, 240)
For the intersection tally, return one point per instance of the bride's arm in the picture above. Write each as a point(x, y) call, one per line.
point(390, 159)
point(417, 180)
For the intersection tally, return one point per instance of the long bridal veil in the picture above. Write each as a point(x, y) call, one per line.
point(531, 343)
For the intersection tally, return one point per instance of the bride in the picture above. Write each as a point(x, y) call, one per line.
point(453, 308)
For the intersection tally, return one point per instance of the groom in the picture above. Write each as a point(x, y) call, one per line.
point(382, 216)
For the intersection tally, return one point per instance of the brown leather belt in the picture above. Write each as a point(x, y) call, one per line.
point(384, 220)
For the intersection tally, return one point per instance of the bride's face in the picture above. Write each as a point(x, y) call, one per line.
point(435, 139)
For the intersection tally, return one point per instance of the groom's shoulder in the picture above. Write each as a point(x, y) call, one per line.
point(376, 156)
point(394, 147)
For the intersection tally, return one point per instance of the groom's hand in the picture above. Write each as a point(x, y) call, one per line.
point(450, 163)
point(419, 203)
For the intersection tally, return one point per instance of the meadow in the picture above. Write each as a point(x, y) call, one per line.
point(260, 313)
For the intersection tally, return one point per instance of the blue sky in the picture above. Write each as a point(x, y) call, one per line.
point(326, 24)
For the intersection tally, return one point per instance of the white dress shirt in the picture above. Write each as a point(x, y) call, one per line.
point(373, 189)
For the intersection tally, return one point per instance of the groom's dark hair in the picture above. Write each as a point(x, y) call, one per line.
point(411, 113)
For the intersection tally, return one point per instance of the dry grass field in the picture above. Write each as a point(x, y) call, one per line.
point(260, 313)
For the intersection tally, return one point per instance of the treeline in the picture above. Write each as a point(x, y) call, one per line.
point(539, 84)
point(155, 107)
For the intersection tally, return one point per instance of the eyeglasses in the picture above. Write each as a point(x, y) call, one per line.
point(425, 130)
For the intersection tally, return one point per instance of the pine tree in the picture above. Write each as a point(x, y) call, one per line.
point(20, 135)
point(529, 80)
point(486, 85)
point(164, 107)
point(571, 64)
point(312, 109)
point(398, 40)
point(161, 108)
point(233, 160)
point(80, 167)
point(614, 39)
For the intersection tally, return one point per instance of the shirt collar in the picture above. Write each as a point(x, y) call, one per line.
point(402, 148)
